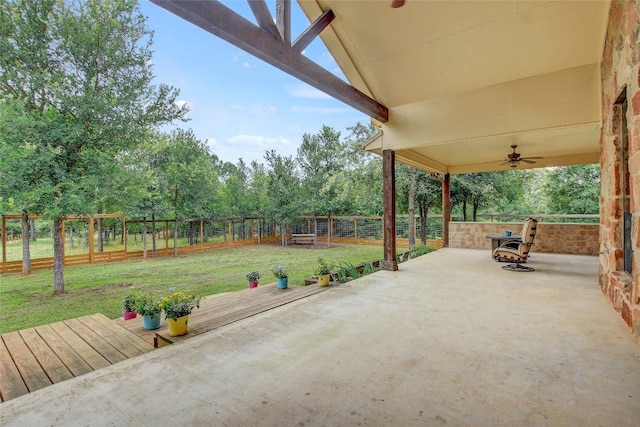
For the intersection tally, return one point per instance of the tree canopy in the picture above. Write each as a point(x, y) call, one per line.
point(77, 89)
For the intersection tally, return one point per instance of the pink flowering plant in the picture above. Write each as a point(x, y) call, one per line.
point(178, 304)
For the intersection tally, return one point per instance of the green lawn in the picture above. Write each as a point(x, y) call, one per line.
point(27, 301)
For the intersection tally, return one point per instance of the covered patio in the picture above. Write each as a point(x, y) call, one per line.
point(449, 338)
point(458, 87)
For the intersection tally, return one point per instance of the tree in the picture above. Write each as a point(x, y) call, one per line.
point(361, 174)
point(486, 189)
point(235, 189)
point(572, 189)
point(428, 195)
point(76, 85)
point(188, 181)
point(284, 190)
point(320, 157)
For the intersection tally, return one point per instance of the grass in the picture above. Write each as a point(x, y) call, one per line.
point(43, 247)
point(27, 301)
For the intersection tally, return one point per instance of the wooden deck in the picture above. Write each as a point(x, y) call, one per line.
point(34, 358)
point(219, 310)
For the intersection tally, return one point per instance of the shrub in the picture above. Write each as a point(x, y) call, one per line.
point(419, 250)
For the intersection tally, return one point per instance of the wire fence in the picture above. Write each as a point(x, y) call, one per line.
point(113, 237)
point(367, 228)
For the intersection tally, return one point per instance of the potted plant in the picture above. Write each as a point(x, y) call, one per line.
point(281, 275)
point(129, 306)
point(177, 307)
point(253, 279)
point(323, 271)
point(149, 308)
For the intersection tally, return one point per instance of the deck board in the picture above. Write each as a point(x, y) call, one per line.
point(87, 353)
point(215, 313)
point(30, 370)
point(38, 357)
point(96, 341)
point(71, 359)
point(127, 337)
point(47, 359)
point(11, 383)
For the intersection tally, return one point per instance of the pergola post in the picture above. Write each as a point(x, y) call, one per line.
point(446, 209)
point(389, 206)
point(90, 238)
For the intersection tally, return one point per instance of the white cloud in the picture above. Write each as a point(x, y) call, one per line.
point(268, 110)
point(258, 141)
point(212, 143)
point(246, 65)
point(181, 103)
point(252, 147)
point(305, 91)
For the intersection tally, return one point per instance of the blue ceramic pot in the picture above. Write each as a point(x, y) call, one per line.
point(149, 322)
point(282, 283)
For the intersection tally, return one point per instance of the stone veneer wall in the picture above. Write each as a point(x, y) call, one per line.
point(575, 239)
point(620, 68)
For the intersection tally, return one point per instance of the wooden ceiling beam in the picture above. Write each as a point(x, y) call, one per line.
point(263, 16)
point(283, 20)
point(313, 31)
point(219, 20)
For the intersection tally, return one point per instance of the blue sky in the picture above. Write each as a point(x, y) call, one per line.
point(239, 104)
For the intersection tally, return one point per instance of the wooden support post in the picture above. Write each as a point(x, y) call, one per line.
point(4, 239)
point(446, 209)
point(166, 235)
point(389, 208)
point(355, 229)
point(90, 240)
point(201, 233)
point(230, 229)
point(63, 243)
point(124, 232)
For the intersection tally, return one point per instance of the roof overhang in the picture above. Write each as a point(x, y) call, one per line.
point(464, 81)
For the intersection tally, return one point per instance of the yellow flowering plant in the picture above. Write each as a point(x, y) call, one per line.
point(178, 304)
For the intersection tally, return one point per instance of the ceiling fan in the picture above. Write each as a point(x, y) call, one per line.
point(513, 159)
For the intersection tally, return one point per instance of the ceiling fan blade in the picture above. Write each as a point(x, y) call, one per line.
point(397, 3)
point(527, 160)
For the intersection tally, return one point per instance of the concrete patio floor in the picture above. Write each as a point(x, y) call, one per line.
point(450, 339)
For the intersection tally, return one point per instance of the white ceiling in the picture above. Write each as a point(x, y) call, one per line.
point(464, 80)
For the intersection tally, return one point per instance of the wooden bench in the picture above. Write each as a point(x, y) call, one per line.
point(301, 239)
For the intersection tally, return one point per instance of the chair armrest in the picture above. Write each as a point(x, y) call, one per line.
point(511, 244)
